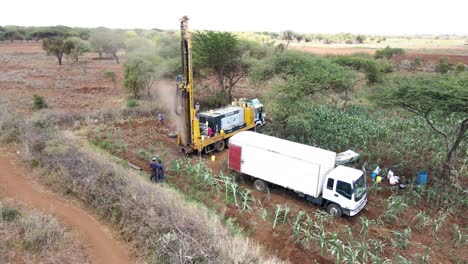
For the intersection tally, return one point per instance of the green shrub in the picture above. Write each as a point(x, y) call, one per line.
point(132, 103)
point(9, 214)
point(369, 66)
point(460, 67)
point(444, 66)
point(387, 53)
point(39, 102)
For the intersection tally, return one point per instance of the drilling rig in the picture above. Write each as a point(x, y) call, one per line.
point(194, 128)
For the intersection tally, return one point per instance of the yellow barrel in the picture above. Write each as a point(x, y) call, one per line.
point(378, 179)
point(213, 157)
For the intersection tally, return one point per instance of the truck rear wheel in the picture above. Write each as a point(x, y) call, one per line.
point(220, 145)
point(260, 185)
point(334, 210)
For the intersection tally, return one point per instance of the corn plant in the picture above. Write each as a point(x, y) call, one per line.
point(308, 233)
point(287, 209)
point(402, 260)
point(364, 252)
point(297, 225)
point(227, 184)
point(277, 214)
point(335, 247)
point(376, 259)
point(246, 198)
point(264, 214)
point(323, 217)
point(142, 154)
point(439, 222)
point(394, 206)
point(402, 238)
point(458, 237)
point(321, 237)
point(234, 191)
point(378, 246)
point(350, 255)
point(422, 220)
point(365, 224)
point(176, 165)
point(349, 232)
point(424, 258)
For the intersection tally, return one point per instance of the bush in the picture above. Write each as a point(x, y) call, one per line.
point(369, 66)
point(444, 66)
point(39, 102)
point(9, 214)
point(132, 102)
point(460, 67)
point(388, 53)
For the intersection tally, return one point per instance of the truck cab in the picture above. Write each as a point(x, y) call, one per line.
point(259, 115)
point(345, 191)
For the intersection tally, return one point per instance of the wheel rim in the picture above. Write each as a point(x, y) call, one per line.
point(334, 210)
point(220, 145)
point(258, 186)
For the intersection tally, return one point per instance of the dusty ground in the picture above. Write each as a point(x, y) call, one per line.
point(434, 56)
point(15, 183)
point(25, 70)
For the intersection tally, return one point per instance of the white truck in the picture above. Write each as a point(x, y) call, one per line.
point(308, 171)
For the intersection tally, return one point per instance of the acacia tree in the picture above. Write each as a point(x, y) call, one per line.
point(219, 53)
point(133, 77)
point(75, 47)
point(442, 100)
point(56, 46)
point(107, 41)
point(288, 35)
point(304, 77)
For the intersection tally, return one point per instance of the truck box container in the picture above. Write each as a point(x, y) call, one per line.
point(285, 163)
point(228, 119)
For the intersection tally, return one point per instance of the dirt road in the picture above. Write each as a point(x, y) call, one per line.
point(94, 235)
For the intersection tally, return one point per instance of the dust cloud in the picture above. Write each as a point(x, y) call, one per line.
point(164, 93)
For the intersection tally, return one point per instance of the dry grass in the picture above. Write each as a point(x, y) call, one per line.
point(163, 226)
point(30, 236)
point(51, 118)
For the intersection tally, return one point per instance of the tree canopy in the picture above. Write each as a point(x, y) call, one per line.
point(442, 100)
point(219, 53)
point(56, 46)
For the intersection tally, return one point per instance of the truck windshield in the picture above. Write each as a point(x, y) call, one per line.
point(359, 188)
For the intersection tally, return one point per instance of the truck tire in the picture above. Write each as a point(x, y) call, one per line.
point(220, 145)
point(260, 185)
point(334, 210)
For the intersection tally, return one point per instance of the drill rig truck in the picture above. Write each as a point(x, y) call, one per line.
point(210, 130)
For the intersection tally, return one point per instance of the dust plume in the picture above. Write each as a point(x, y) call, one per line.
point(164, 92)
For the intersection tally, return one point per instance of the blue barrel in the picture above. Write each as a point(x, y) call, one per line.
point(422, 178)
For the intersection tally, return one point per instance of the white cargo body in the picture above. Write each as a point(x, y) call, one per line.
point(291, 165)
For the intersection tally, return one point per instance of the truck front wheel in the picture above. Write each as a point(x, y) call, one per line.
point(260, 185)
point(334, 210)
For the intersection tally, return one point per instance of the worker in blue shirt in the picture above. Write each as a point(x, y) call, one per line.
point(154, 169)
point(160, 119)
point(160, 171)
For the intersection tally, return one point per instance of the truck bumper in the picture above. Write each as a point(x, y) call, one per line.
point(357, 209)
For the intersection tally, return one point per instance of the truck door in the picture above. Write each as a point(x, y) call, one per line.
point(235, 157)
point(343, 194)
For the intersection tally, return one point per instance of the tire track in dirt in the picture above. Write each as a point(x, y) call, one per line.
point(97, 239)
